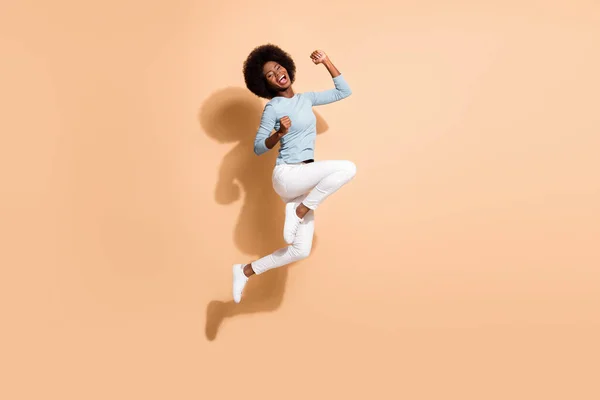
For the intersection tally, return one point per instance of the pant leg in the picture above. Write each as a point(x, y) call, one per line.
point(318, 180)
point(297, 251)
point(309, 184)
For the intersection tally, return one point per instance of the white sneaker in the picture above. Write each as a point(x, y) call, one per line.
point(239, 281)
point(292, 221)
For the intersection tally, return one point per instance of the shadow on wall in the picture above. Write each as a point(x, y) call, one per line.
point(232, 115)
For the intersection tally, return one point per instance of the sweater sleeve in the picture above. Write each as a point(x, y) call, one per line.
point(341, 91)
point(267, 124)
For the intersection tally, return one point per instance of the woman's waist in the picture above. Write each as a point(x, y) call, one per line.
point(300, 158)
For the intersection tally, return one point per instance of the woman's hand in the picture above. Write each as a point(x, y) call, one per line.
point(318, 57)
point(272, 140)
point(285, 124)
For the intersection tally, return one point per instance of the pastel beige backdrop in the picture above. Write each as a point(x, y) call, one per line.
point(461, 262)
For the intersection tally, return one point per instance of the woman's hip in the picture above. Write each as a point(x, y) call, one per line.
point(291, 180)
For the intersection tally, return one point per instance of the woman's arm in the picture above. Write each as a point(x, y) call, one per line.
point(265, 140)
point(342, 89)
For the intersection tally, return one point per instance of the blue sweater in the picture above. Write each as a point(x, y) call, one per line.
point(299, 143)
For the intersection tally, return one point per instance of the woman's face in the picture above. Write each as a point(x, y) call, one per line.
point(277, 77)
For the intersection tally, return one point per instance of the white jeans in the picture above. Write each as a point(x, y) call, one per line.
point(309, 184)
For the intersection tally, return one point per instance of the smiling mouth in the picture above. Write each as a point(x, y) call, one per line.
point(283, 80)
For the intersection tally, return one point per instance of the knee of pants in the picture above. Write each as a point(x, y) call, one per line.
point(300, 252)
point(350, 167)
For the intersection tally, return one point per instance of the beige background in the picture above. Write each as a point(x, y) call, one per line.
point(461, 263)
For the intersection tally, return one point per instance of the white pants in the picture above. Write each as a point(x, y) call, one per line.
point(309, 184)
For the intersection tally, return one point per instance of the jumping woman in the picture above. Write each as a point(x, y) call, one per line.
point(301, 182)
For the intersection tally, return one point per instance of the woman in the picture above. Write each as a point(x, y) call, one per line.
point(288, 119)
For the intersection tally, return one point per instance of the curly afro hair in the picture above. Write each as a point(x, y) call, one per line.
point(253, 68)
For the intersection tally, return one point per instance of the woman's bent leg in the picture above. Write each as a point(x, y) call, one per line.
point(298, 250)
point(315, 181)
point(330, 184)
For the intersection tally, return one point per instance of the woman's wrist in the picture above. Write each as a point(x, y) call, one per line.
point(272, 140)
point(331, 68)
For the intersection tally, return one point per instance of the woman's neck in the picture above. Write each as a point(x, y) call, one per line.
point(288, 93)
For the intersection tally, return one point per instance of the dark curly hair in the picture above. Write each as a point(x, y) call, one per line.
point(253, 68)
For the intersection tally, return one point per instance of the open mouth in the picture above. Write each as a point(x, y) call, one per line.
point(283, 80)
